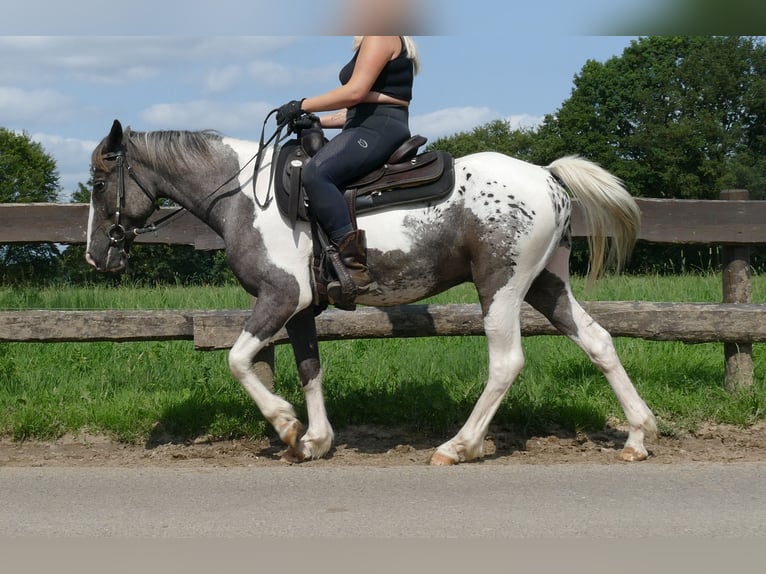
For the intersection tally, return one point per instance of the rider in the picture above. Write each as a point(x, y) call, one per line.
point(373, 100)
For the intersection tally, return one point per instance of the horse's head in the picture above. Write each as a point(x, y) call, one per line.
point(119, 205)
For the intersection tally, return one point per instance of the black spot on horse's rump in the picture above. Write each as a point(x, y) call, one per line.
point(486, 203)
point(468, 175)
point(497, 201)
point(461, 190)
point(490, 195)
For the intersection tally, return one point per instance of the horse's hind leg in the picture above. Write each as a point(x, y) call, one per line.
point(506, 359)
point(551, 294)
point(318, 438)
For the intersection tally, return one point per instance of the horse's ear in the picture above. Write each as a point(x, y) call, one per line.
point(114, 139)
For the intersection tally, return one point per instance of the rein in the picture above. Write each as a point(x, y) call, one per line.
point(117, 233)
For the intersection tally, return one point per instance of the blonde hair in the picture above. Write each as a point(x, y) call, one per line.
point(409, 44)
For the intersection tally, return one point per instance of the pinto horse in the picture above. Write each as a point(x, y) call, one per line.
point(505, 226)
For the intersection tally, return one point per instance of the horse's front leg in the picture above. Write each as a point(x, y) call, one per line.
point(267, 319)
point(303, 337)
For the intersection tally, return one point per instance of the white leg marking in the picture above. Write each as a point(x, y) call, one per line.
point(275, 409)
point(319, 436)
point(506, 359)
point(598, 345)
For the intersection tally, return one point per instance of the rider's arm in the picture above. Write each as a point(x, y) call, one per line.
point(334, 121)
point(374, 54)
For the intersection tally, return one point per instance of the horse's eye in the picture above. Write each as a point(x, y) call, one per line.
point(99, 186)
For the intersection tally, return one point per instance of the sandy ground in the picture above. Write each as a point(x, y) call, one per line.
point(375, 446)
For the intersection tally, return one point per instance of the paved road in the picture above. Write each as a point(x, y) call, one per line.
point(483, 501)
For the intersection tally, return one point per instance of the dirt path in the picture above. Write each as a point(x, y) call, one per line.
point(375, 446)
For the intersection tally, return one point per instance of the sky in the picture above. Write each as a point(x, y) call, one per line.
point(67, 69)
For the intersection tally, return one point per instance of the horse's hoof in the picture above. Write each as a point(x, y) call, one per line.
point(294, 456)
point(292, 433)
point(630, 454)
point(441, 459)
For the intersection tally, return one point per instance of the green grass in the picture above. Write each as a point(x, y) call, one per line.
point(147, 391)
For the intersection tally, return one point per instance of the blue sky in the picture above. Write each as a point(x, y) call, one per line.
point(66, 74)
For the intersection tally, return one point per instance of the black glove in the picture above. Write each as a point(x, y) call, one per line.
point(289, 112)
point(306, 121)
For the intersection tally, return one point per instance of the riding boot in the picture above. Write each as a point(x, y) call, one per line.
point(352, 249)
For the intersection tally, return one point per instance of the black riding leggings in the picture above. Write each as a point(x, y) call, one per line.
point(371, 134)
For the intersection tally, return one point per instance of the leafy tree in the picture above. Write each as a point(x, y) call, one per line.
point(674, 116)
point(27, 174)
point(677, 117)
point(493, 136)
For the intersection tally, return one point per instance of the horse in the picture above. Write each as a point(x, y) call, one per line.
point(505, 227)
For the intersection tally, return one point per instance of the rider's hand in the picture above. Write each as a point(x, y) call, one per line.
point(289, 112)
point(305, 122)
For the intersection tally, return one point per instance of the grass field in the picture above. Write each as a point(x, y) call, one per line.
point(135, 391)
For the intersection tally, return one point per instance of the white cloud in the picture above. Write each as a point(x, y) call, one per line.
point(223, 79)
point(32, 106)
point(524, 121)
point(170, 17)
point(245, 117)
point(449, 121)
point(277, 75)
point(120, 60)
point(266, 74)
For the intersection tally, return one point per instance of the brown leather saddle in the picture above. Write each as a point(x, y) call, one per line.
point(406, 178)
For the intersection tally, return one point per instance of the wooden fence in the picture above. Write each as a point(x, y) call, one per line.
point(733, 222)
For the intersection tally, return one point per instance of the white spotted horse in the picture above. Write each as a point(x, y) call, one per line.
point(504, 225)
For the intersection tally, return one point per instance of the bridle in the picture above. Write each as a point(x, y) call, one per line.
point(118, 235)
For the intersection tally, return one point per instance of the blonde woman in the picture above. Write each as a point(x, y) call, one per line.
point(373, 112)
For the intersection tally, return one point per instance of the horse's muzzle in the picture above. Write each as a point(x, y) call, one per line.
point(112, 265)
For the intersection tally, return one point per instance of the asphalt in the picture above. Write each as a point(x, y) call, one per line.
point(473, 501)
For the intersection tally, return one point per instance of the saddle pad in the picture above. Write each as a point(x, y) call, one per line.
point(408, 194)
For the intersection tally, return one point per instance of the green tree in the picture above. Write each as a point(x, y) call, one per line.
point(27, 174)
point(681, 117)
point(494, 136)
point(677, 117)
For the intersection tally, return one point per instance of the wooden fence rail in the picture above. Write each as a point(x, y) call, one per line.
point(734, 222)
point(210, 330)
point(664, 221)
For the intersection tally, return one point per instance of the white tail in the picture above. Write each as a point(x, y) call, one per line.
point(609, 210)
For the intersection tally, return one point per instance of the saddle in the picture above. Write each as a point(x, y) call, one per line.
point(406, 178)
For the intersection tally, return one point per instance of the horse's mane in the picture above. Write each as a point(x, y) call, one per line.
point(170, 151)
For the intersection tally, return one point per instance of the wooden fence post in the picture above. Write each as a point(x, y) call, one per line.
point(737, 288)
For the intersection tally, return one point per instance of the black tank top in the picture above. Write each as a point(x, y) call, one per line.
point(395, 79)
